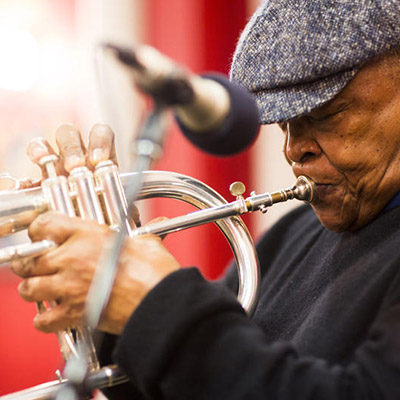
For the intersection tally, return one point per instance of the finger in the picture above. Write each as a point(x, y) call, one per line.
point(135, 215)
point(58, 227)
point(157, 219)
point(101, 144)
point(8, 182)
point(71, 146)
point(20, 268)
point(58, 318)
point(41, 288)
point(27, 183)
point(28, 267)
point(38, 148)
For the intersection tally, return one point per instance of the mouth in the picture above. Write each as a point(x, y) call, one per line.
point(324, 190)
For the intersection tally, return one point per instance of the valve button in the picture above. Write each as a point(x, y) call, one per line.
point(237, 188)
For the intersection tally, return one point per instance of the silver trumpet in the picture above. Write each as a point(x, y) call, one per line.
point(100, 196)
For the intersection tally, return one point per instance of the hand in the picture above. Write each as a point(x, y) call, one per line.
point(64, 274)
point(73, 152)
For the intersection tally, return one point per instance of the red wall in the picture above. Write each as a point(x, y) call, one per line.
point(202, 35)
point(28, 357)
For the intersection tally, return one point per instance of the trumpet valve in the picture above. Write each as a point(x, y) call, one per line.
point(237, 189)
point(49, 163)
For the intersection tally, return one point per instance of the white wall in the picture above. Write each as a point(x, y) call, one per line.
point(271, 172)
point(108, 95)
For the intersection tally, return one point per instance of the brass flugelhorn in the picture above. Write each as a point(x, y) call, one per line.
point(19, 208)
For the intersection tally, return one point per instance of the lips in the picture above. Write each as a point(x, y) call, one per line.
point(324, 190)
point(326, 185)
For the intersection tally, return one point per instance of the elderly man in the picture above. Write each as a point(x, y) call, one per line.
point(327, 325)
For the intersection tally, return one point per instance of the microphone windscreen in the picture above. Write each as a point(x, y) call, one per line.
point(238, 130)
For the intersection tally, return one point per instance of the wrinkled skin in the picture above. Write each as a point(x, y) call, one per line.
point(64, 274)
point(351, 147)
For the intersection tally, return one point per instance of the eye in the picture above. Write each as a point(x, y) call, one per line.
point(324, 116)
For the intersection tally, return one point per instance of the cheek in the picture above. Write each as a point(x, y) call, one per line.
point(354, 148)
point(362, 157)
point(369, 139)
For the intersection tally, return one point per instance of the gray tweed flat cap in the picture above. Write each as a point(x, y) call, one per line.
point(295, 55)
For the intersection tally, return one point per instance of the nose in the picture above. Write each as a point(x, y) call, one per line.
point(300, 146)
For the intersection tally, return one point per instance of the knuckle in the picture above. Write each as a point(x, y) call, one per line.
point(102, 131)
point(43, 219)
point(72, 148)
point(39, 227)
point(17, 267)
point(71, 315)
point(43, 323)
point(47, 226)
point(28, 267)
point(89, 230)
point(97, 232)
point(26, 289)
point(72, 290)
point(76, 314)
point(44, 264)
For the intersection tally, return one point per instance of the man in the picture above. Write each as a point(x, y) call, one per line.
point(327, 325)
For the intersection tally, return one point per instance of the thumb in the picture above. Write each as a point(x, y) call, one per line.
point(157, 219)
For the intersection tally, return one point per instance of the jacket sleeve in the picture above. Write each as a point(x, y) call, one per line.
point(105, 344)
point(190, 339)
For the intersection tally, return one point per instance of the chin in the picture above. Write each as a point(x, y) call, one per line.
point(336, 227)
point(334, 222)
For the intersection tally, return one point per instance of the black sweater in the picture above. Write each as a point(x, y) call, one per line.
point(327, 325)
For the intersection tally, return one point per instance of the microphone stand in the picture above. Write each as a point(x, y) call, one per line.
point(146, 149)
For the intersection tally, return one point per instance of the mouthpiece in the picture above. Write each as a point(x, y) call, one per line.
point(305, 189)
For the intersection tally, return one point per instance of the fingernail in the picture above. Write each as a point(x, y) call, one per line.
point(97, 155)
point(37, 149)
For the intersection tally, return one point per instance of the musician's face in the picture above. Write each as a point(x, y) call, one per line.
point(351, 147)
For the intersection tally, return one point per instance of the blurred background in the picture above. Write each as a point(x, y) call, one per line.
point(51, 73)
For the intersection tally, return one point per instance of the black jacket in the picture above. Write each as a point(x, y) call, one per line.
point(327, 326)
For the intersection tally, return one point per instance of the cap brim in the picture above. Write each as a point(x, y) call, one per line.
point(283, 103)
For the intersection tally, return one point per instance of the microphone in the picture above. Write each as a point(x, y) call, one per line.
point(216, 115)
